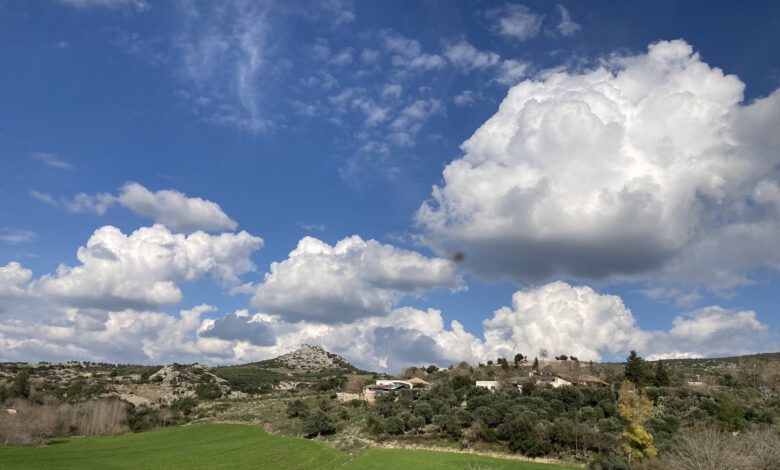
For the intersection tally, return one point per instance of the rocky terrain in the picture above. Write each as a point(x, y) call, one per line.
point(311, 358)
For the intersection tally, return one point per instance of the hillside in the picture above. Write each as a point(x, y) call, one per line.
point(303, 367)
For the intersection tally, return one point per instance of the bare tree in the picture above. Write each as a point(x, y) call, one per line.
point(707, 449)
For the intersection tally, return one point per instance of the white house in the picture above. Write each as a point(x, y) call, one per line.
point(491, 385)
point(395, 381)
point(559, 381)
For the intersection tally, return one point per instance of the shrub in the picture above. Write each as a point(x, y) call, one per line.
point(394, 425)
point(318, 423)
point(208, 391)
point(297, 409)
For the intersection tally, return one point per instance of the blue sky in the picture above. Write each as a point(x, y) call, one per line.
point(627, 191)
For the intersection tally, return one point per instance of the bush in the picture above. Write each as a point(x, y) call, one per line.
point(142, 418)
point(208, 391)
point(184, 405)
point(318, 423)
point(394, 425)
point(424, 410)
point(297, 409)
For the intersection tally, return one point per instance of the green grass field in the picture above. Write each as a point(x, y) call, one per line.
point(229, 446)
point(425, 459)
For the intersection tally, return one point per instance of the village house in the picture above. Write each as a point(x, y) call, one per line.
point(491, 385)
point(556, 380)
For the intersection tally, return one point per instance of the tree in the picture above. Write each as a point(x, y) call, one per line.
point(394, 425)
point(431, 369)
point(424, 411)
point(730, 414)
point(21, 384)
point(636, 370)
point(536, 364)
point(319, 423)
point(635, 409)
point(490, 363)
point(518, 359)
point(661, 375)
point(416, 423)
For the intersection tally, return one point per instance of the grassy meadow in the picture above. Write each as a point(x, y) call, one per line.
point(229, 446)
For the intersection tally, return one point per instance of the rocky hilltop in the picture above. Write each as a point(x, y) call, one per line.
point(309, 357)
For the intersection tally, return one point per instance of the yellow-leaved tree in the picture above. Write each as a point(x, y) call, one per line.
point(635, 409)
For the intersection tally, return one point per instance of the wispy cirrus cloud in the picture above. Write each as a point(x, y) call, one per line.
point(567, 26)
point(52, 160)
point(139, 5)
point(14, 236)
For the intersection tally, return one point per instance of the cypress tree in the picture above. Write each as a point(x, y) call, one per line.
point(661, 375)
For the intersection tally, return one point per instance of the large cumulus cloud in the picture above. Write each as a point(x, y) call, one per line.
point(646, 165)
point(353, 278)
point(143, 269)
point(579, 321)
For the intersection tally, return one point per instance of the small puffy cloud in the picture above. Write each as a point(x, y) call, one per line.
point(467, 57)
point(369, 56)
point(407, 54)
point(89, 203)
point(514, 21)
point(511, 72)
point(647, 167)
point(464, 98)
point(175, 210)
point(353, 278)
point(52, 160)
point(373, 112)
point(411, 118)
point(392, 90)
point(567, 27)
point(343, 57)
point(143, 269)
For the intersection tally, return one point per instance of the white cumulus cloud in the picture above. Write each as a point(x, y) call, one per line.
point(353, 278)
point(645, 165)
point(175, 210)
point(169, 207)
point(143, 269)
point(577, 320)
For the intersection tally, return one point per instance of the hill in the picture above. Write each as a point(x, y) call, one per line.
point(304, 367)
